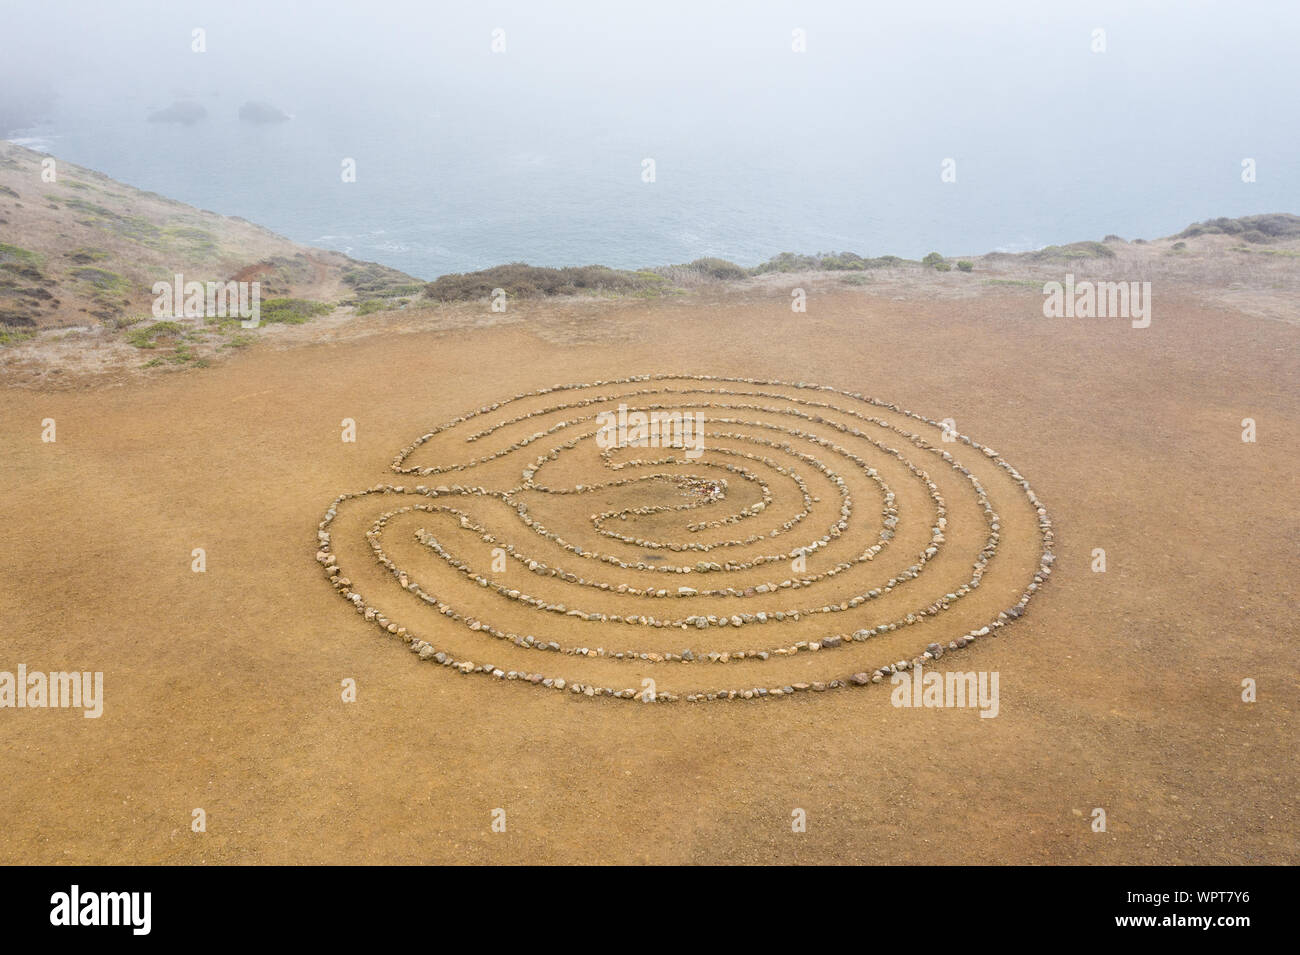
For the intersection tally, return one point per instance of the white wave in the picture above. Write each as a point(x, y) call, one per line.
point(38, 143)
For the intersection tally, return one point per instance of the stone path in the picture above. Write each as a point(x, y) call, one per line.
point(594, 584)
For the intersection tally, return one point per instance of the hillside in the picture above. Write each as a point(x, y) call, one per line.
point(82, 253)
point(79, 257)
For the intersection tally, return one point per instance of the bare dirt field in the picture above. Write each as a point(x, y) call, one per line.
point(1119, 690)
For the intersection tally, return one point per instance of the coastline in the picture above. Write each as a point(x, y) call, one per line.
point(82, 254)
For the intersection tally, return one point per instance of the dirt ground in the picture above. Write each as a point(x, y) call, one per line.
point(1119, 690)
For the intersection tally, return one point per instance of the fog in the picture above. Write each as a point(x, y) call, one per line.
point(468, 157)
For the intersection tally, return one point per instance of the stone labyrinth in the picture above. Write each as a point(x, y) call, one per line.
point(804, 540)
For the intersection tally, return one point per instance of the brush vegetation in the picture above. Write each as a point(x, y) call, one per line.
point(520, 280)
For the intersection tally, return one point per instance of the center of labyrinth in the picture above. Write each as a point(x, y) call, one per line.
point(624, 538)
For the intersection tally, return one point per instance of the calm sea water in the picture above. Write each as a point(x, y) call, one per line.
point(467, 158)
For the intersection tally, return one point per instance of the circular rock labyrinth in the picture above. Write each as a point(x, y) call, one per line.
point(811, 539)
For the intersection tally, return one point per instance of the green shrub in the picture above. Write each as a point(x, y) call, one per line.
point(372, 305)
point(14, 336)
point(1075, 250)
point(788, 262)
point(829, 261)
point(520, 280)
point(291, 311)
point(1272, 225)
point(12, 253)
point(966, 266)
point(194, 241)
point(148, 336)
point(842, 262)
point(102, 279)
point(718, 269)
point(379, 281)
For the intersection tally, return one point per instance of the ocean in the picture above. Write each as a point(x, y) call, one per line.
point(952, 130)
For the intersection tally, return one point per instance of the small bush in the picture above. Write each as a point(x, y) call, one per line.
point(789, 262)
point(12, 253)
point(520, 280)
point(1272, 225)
point(718, 269)
point(966, 266)
point(372, 305)
point(102, 279)
point(379, 281)
point(824, 261)
point(291, 311)
point(1075, 250)
point(14, 336)
point(842, 262)
point(148, 336)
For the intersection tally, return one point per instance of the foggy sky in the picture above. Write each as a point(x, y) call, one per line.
point(884, 92)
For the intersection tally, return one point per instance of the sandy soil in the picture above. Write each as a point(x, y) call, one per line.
point(1118, 690)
